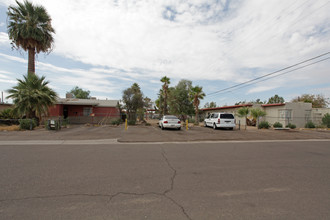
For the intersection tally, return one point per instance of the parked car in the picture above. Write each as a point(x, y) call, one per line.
point(169, 121)
point(220, 120)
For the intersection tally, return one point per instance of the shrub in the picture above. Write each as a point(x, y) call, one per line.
point(264, 124)
point(131, 122)
point(7, 114)
point(277, 125)
point(25, 124)
point(65, 122)
point(326, 120)
point(310, 124)
point(116, 121)
point(191, 120)
point(292, 126)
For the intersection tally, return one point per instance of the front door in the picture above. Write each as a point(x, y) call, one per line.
point(65, 111)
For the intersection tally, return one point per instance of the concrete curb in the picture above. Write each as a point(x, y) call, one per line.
point(115, 141)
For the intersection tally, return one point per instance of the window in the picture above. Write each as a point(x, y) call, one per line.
point(227, 116)
point(170, 117)
point(215, 116)
point(87, 111)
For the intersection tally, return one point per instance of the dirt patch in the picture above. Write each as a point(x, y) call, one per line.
point(142, 133)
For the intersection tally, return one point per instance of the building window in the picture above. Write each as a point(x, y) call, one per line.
point(87, 111)
point(285, 114)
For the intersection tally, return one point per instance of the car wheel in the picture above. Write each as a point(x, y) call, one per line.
point(162, 127)
point(179, 128)
point(214, 126)
point(231, 128)
point(205, 125)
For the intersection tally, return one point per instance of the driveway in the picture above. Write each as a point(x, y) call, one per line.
point(152, 133)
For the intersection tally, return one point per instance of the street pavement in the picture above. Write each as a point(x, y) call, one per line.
point(106, 179)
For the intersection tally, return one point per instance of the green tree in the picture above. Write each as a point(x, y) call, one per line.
point(243, 112)
point(326, 120)
point(318, 101)
point(179, 99)
point(257, 101)
point(79, 93)
point(133, 100)
point(275, 99)
point(210, 105)
point(32, 97)
point(257, 113)
point(196, 94)
point(29, 28)
point(166, 81)
point(240, 103)
point(160, 102)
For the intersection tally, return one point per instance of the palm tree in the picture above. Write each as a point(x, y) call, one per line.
point(29, 27)
point(166, 82)
point(243, 112)
point(257, 113)
point(196, 93)
point(32, 97)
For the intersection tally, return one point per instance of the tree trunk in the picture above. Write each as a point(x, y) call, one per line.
point(165, 103)
point(196, 116)
point(31, 61)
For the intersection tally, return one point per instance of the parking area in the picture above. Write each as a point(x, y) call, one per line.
point(152, 133)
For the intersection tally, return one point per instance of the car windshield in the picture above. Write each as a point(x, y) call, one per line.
point(227, 116)
point(170, 117)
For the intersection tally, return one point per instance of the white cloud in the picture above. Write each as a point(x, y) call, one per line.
point(228, 40)
point(4, 37)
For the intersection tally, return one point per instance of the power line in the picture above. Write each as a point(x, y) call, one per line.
point(269, 74)
point(310, 64)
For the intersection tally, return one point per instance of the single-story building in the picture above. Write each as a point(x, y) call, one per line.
point(82, 111)
point(298, 113)
point(4, 106)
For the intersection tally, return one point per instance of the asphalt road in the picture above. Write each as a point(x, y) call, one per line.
point(220, 180)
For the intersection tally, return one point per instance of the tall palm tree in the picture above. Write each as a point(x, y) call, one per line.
point(196, 94)
point(32, 97)
point(166, 81)
point(29, 28)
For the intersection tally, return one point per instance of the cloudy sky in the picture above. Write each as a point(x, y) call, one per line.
point(107, 45)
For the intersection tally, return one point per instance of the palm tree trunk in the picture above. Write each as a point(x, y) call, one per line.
point(31, 64)
point(165, 104)
point(196, 116)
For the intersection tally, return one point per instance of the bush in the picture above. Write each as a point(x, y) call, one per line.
point(264, 124)
point(131, 122)
point(191, 120)
point(277, 125)
point(65, 122)
point(116, 121)
point(309, 125)
point(292, 126)
point(7, 114)
point(326, 120)
point(25, 124)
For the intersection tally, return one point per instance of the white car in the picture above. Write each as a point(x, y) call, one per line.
point(220, 120)
point(169, 121)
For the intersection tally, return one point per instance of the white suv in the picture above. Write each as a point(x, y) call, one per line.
point(220, 120)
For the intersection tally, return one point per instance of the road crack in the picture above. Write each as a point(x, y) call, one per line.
point(171, 188)
point(112, 196)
